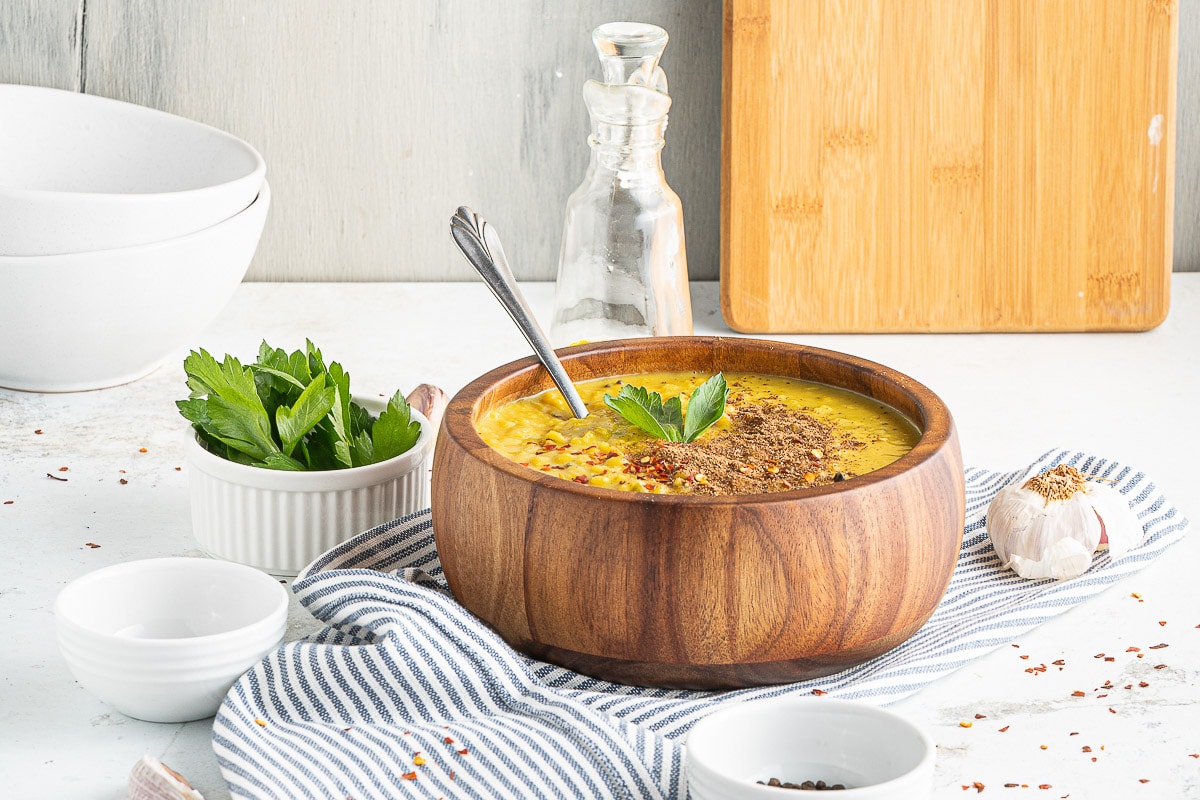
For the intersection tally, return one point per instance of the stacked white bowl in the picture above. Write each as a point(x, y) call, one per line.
point(163, 639)
point(123, 232)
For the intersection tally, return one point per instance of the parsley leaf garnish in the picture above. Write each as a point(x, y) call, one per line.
point(290, 411)
point(665, 419)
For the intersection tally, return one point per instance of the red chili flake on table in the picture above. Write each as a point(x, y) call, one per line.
point(1193, 755)
point(92, 545)
point(1129, 686)
point(1098, 655)
point(1143, 780)
point(1132, 649)
point(819, 692)
point(1005, 728)
point(1011, 785)
point(38, 431)
point(1043, 786)
point(1162, 622)
point(123, 481)
point(981, 716)
point(1024, 657)
point(409, 776)
point(179, 469)
point(1059, 662)
point(463, 752)
point(1159, 646)
point(1087, 748)
point(1110, 658)
point(1112, 710)
point(448, 740)
point(1143, 684)
point(1136, 596)
point(9, 502)
point(1160, 666)
point(142, 450)
point(978, 787)
point(1078, 693)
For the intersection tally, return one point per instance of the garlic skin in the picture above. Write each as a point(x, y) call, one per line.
point(1051, 525)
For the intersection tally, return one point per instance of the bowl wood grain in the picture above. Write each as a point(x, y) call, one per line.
point(699, 592)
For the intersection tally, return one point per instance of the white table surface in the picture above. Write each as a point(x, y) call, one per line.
point(1131, 397)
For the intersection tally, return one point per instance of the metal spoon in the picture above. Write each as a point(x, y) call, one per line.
point(480, 243)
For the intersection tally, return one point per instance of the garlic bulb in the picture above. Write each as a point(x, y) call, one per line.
point(1051, 525)
point(151, 779)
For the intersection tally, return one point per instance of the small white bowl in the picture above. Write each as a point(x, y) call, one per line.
point(80, 173)
point(91, 320)
point(163, 639)
point(875, 753)
point(281, 521)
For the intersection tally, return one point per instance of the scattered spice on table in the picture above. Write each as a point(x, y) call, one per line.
point(8, 502)
point(1159, 646)
point(92, 545)
point(143, 450)
point(123, 481)
point(55, 477)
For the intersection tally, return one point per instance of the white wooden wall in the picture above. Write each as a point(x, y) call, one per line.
point(377, 118)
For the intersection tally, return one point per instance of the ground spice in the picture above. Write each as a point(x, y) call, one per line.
point(769, 448)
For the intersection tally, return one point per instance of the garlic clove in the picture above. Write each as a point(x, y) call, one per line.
point(150, 779)
point(1122, 530)
point(1066, 558)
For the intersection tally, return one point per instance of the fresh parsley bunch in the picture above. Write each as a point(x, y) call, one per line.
point(290, 411)
point(665, 420)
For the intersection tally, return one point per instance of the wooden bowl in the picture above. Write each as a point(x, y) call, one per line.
point(699, 592)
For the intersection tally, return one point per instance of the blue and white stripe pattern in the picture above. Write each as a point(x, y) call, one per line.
point(405, 695)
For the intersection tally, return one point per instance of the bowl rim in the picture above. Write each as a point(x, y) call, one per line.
point(936, 426)
point(258, 170)
point(267, 622)
point(61, 260)
point(324, 480)
point(800, 705)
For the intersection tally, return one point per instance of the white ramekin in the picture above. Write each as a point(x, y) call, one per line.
point(280, 521)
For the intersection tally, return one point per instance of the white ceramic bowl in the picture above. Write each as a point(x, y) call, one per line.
point(281, 521)
point(92, 320)
point(80, 173)
point(163, 639)
point(875, 753)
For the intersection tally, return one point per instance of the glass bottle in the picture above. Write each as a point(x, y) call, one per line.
point(622, 269)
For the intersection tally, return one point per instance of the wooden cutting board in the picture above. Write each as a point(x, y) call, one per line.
point(947, 165)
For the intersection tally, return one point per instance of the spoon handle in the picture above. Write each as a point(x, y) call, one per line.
point(480, 243)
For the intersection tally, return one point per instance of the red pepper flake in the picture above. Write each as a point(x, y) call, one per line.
point(8, 502)
point(1005, 728)
point(1193, 755)
point(581, 479)
point(1110, 658)
point(819, 692)
point(981, 716)
point(1011, 785)
point(38, 431)
point(180, 469)
point(123, 481)
point(1162, 622)
point(64, 469)
point(448, 740)
point(1098, 655)
point(409, 776)
point(1129, 686)
point(451, 774)
point(1073, 733)
point(142, 450)
point(92, 545)
point(1143, 780)
point(1107, 685)
point(1132, 649)
point(1136, 596)
point(1087, 748)
point(1025, 657)
point(1111, 710)
point(1160, 666)
point(1043, 786)
point(463, 752)
point(1078, 693)
point(1059, 662)
point(1143, 684)
point(977, 786)
point(1159, 646)
point(55, 477)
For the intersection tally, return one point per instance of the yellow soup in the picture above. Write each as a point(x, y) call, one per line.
point(777, 434)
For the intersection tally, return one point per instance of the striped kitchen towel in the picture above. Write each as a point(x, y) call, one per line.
point(406, 695)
